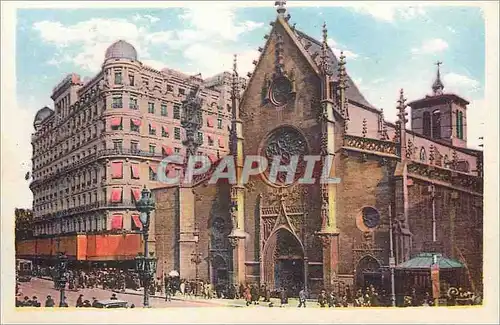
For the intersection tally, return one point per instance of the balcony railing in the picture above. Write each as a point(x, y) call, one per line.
point(88, 207)
point(100, 154)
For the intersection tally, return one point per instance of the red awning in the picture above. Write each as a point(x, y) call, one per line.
point(168, 151)
point(165, 129)
point(136, 193)
point(117, 221)
point(116, 195)
point(135, 171)
point(116, 121)
point(221, 143)
point(210, 137)
point(210, 121)
point(117, 169)
point(152, 126)
point(136, 122)
point(213, 158)
point(153, 168)
point(136, 220)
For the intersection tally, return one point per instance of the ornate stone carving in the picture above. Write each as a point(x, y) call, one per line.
point(285, 142)
point(370, 144)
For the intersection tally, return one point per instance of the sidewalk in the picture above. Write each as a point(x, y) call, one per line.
point(219, 302)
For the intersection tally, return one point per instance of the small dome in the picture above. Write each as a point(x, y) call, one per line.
point(121, 50)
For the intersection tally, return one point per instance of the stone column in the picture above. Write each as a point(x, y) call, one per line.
point(187, 241)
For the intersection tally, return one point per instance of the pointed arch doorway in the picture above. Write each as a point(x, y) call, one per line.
point(284, 265)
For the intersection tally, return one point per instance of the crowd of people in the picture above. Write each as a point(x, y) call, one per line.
point(118, 280)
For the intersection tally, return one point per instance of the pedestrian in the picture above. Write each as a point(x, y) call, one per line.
point(49, 302)
point(94, 302)
point(64, 303)
point(332, 299)
point(253, 292)
point(168, 292)
point(35, 302)
point(113, 297)
point(302, 298)
point(26, 302)
point(79, 301)
point(183, 288)
point(268, 293)
point(322, 299)
point(248, 296)
point(283, 297)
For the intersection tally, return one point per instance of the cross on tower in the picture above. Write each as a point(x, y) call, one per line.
point(438, 63)
point(280, 4)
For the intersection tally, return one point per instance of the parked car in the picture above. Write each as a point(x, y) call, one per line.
point(108, 303)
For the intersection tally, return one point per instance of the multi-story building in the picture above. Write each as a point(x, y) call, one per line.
point(102, 143)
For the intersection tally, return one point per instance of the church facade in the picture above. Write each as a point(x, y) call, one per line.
point(422, 185)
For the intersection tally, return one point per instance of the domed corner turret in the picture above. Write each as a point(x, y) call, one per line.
point(41, 115)
point(121, 50)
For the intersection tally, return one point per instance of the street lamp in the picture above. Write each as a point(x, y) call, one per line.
point(146, 264)
point(62, 264)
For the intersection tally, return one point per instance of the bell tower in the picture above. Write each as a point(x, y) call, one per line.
point(440, 116)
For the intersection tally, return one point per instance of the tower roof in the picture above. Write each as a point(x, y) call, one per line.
point(437, 86)
point(121, 50)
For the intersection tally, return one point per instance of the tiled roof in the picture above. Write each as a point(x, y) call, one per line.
point(353, 92)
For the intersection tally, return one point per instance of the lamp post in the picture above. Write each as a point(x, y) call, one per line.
point(196, 257)
point(146, 264)
point(62, 264)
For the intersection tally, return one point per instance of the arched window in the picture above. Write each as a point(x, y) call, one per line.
point(460, 125)
point(436, 124)
point(422, 155)
point(427, 124)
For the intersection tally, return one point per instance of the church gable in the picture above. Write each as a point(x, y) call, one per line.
point(283, 88)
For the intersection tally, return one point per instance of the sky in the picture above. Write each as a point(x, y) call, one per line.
point(388, 47)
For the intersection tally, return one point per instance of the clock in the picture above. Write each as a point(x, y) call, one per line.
point(371, 217)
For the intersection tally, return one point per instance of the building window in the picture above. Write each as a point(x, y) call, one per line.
point(152, 148)
point(164, 132)
point(436, 124)
point(164, 110)
point(177, 112)
point(460, 125)
point(200, 137)
point(132, 104)
point(134, 125)
point(134, 146)
point(116, 124)
point(427, 124)
point(118, 78)
point(422, 155)
point(152, 174)
point(210, 141)
point(177, 133)
point(131, 78)
point(219, 123)
point(116, 170)
point(117, 102)
point(118, 145)
point(170, 88)
point(182, 91)
point(177, 150)
point(152, 129)
point(151, 108)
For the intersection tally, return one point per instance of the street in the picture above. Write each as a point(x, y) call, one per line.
point(41, 288)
